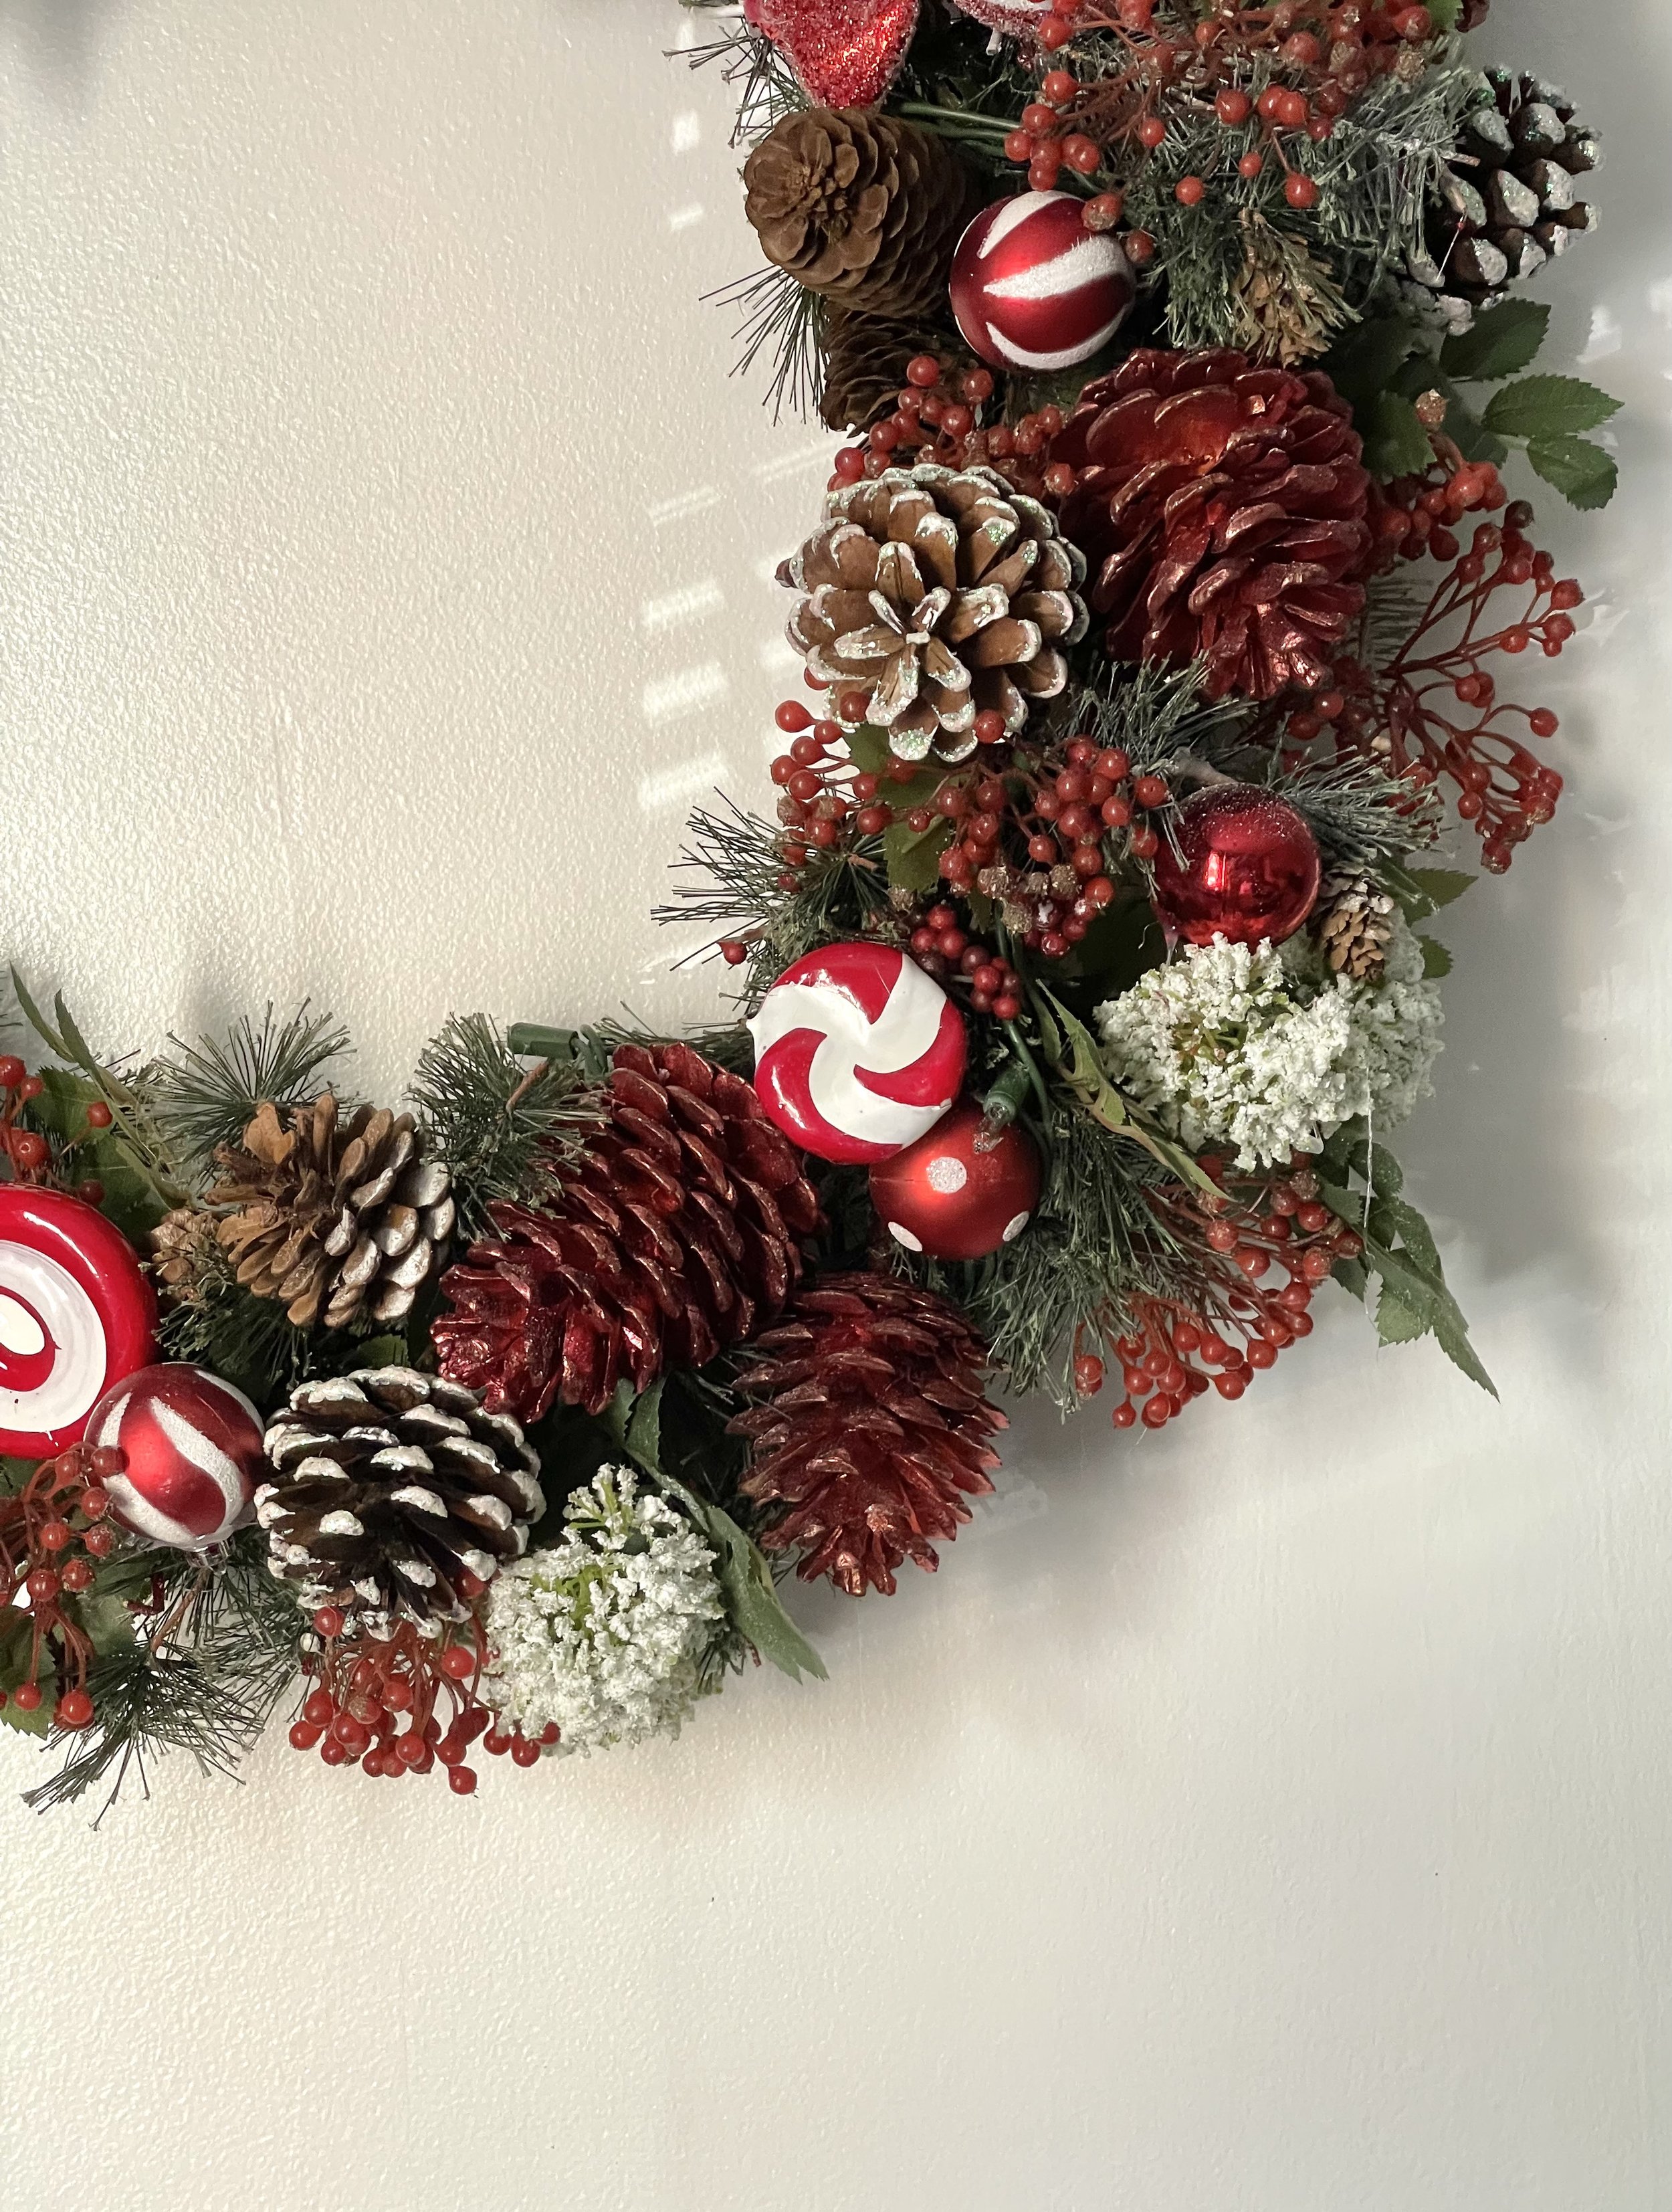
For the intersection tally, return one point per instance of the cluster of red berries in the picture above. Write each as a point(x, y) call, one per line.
point(929, 423)
point(1172, 1351)
point(825, 799)
point(1415, 515)
point(1409, 715)
point(1329, 51)
point(365, 1686)
point(943, 949)
point(1054, 820)
point(27, 1150)
point(52, 1535)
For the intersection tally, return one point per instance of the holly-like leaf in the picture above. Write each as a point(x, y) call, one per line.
point(1436, 958)
point(1395, 443)
point(1471, 436)
point(1368, 358)
point(913, 856)
point(1424, 892)
point(1503, 341)
point(131, 1198)
point(1582, 472)
point(1548, 407)
point(1395, 1322)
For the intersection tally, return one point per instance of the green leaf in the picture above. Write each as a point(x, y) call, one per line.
point(1353, 1277)
point(534, 1041)
point(1445, 14)
point(1395, 443)
point(1072, 1050)
point(1582, 472)
point(131, 1199)
point(644, 1439)
point(1395, 1321)
point(1548, 407)
point(751, 1596)
point(1503, 341)
point(106, 1621)
point(35, 1724)
point(1424, 892)
point(913, 856)
point(1471, 436)
point(1435, 959)
point(1365, 362)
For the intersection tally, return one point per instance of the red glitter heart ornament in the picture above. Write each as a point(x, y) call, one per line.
point(845, 56)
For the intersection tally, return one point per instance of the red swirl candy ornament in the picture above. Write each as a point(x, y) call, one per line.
point(77, 1313)
point(1246, 868)
point(192, 1453)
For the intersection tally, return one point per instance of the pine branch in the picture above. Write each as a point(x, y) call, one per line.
point(502, 1127)
point(226, 1329)
point(786, 320)
point(204, 1679)
point(208, 1095)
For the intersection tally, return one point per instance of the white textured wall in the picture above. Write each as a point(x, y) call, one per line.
point(1271, 1815)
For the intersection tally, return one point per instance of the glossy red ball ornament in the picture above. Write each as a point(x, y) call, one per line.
point(1033, 289)
point(962, 1191)
point(192, 1452)
point(857, 1052)
point(77, 1313)
point(1246, 868)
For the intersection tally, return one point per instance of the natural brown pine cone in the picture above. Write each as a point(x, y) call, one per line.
point(936, 596)
point(865, 363)
point(675, 1234)
point(1355, 923)
point(394, 1495)
point(860, 207)
point(334, 1218)
point(1507, 203)
point(1286, 303)
point(871, 1428)
point(183, 1246)
point(1222, 508)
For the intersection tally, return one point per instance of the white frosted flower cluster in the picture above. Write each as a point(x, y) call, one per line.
point(604, 1632)
point(1265, 1049)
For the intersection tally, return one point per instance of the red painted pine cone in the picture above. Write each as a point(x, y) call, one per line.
point(1221, 509)
point(675, 1234)
point(870, 1427)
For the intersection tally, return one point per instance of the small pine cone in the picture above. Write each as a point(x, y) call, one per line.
point(394, 1495)
point(865, 363)
point(675, 1234)
point(344, 1218)
point(183, 1248)
point(860, 207)
point(1286, 303)
point(1355, 925)
point(936, 595)
point(1507, 203)
point(1222, 508)
point(872, 1429)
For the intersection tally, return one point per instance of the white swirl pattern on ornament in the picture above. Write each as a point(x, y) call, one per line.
point(853, 1046)
point(45, 1310)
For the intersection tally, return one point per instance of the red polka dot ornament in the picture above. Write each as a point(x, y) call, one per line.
point(1246, 868)
point(192, 1451)
point(961, 1192)
point(857, 1052)
point(1033, 289)
point(77, 1313)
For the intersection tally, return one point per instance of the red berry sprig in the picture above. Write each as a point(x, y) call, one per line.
point(1433, 712)
point(53, 1532)
point(366, 1687)
point(930, 423)
point(1173, 1349)
point(30, 1151)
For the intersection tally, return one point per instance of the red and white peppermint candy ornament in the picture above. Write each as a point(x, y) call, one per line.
point(76, 1314)
point(1033, 287)
point(1011, 19)
point(192, 1448)
point(857, 1052)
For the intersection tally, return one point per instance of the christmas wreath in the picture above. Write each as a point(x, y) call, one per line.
point(1153, 627)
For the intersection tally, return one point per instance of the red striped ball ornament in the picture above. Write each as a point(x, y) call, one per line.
point(1033, 289)
point(193, 1450)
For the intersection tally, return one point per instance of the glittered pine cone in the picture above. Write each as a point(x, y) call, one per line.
point(675, 1234)
point(334, 1218)
point(394, 1495)
point(1222, 509)
point(937, 595)
point(1507, 202)
point(1354, 922)
point(871, 1428)
point(865, 363)
point(860, 207)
